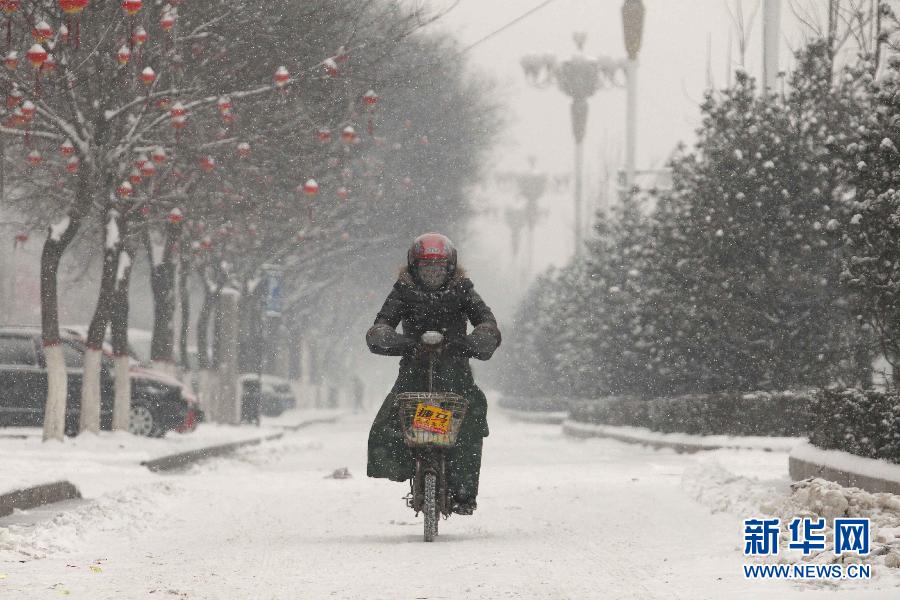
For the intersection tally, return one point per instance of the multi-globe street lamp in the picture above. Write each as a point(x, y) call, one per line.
point(579, 78)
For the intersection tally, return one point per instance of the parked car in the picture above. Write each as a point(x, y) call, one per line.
point(157, 406)
point(277, 394)
point(139, 355)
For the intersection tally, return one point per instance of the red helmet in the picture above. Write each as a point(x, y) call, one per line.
point(432, 246)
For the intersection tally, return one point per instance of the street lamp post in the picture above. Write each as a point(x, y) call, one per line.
point(633, 29)
point(579, 78)
point(531, 188)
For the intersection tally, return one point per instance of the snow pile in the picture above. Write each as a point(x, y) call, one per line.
point(723, 491)
point(816, 498)
point(135, 509)
point(748, 497)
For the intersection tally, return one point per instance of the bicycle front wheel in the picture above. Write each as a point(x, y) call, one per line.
point(430, 507)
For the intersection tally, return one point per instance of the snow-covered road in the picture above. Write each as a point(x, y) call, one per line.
point(558, 518)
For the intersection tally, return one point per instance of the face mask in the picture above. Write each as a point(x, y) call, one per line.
point(433, 275)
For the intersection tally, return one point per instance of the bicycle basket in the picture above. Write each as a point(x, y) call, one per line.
point(431, 418)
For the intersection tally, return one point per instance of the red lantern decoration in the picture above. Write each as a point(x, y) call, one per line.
point(140, 161)
point(72, 165)
point(134, 177)
point(67, 148)
point(208, 163)
point(36, 56)
point(140, 36)
point(348, 134)
point(175, 216)
point(123, 55)
point(179, 123)
point(370, 98)
point(164, 103)
point(41, 32)
point(34, 158)
point(228, 117)
point(124, 190)
point(147, 170)
point(331, 67)
point(148, 76)
point(13, 98)
point(178, 110)
point(167, 21)
point(224, 104)
point(11, 61)
point(73, 7)
point(158, 155)
point(243, 149)
point(324, 135)
point(282, 77)
point(132, 7)
point(310, 188)
point(10, 6)
point(28, 110)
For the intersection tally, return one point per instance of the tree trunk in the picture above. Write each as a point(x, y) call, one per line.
point(91, 378)
point(59, 237)
point(119, 337)
point(206, 391)
point(227, 334)
point(183, 270)
point(162, 283)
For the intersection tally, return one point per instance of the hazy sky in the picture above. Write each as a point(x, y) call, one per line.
point(679, 36)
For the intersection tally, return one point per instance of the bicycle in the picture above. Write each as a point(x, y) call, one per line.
point(430, 422)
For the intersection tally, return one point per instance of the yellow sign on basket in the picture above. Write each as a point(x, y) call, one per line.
point(432, 418)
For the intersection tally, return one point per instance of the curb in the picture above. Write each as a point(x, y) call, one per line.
point(172, 462)
point(585, 430)
point(182, 459)
point(38, 495)
point(800, 468)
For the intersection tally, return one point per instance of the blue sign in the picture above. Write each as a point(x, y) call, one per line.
point(274, 282)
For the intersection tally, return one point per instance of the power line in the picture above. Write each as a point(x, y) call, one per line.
point(508, 25)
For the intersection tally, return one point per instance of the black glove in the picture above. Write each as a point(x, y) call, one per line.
point(384, 339)
point(483, 340)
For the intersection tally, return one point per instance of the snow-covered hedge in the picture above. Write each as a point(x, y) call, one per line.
point(861, 422)
point(757, 414)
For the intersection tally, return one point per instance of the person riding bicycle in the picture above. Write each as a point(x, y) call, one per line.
point(432, 293)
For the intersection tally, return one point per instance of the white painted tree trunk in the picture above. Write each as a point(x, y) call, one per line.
point(229, 393)
point(89, 418)
point(122, 404)
point(55, 410)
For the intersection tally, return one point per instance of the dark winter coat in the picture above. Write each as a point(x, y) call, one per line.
point(445, 310)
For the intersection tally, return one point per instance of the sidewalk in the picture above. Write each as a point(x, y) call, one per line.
point(99, 464)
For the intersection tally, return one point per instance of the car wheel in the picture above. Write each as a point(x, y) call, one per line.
point(143, 422)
